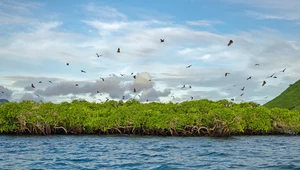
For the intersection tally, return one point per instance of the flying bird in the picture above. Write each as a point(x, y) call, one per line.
point(232, 99)
point(102, 78)
point(50, 81)
point(123, 97)
point(256, 65)
point(122, 74)
point(32, 86)
point(131, 73)
point(98, 55)
point(76, 84)
point(271, 75)
point(230, 42)
point(283, 70)
point(226, 74)
point(192, 97)
point(98, 92)
point(118, 51)
point(40, 81)
point(83, 71)
point(275, 77)
point(67, 64)
point(264, 82)
point(190, 86)
point(134, 90)
point(242, 94)
point(188, 66)
point(134, 76)
point(162, 40)
point(3, 92)
point(243, 88)
point(183, 86)
point(249, 78)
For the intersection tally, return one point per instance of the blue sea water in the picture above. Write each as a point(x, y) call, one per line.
point(132, 152)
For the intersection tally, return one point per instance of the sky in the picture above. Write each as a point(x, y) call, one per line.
point(38, 38)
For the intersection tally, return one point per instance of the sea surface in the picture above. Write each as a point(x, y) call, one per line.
point(133, 152)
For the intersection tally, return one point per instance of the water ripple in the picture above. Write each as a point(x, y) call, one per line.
point(129, 152)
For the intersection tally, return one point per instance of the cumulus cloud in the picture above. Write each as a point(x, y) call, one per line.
point(154, 95)
point(5, 93)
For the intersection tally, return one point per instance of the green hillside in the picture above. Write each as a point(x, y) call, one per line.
point(289, 99)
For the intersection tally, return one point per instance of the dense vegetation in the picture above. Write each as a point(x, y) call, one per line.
point(289, 99)
point(190, 118)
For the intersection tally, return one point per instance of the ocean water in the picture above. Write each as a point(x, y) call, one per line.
point(133, 152)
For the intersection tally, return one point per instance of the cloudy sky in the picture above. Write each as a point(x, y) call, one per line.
point(38, 38)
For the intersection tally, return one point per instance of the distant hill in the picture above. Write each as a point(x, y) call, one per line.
point(3, 101)
point(289, 99)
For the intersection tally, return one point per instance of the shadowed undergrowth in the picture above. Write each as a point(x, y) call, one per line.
point(190, 118)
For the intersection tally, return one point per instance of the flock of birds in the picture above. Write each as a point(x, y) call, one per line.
point(184, 86)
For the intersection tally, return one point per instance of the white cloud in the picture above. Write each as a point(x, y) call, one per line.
point(142, 52)
point(205, 23)
point(272, 9)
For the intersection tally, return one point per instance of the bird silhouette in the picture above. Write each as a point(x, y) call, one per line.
point(256, 65)
point(271, 75)
point(98, 92)
point(190, 86)
point(50, 81)
point(40, 81)
point(134, 90)
point(249, 78)
point(188, 66)
point(98, 55)
point(264, 82)
point(118, 51)
point(230, 42)
point(37, 95)
point(32, 86)
point(283, 70)
point(134, 76)
point(275, 77)
point(76, 84)
point(232, 99)
point(123, 97)
point(243, 88)
point(2, 92)
point(183, 86)
point(131, 73)
point(67, 64)
point(102, 78)
point(122, 74)
point(226, 74)
point(242, 94)
point(83, 71)
point(192, 97)
point(162, 40)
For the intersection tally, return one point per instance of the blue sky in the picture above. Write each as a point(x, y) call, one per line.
point(38, 38)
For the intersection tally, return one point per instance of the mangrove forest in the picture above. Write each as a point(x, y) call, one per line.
point(190, 118)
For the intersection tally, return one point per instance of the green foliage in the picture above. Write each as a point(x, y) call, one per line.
point(190, 118)
point(289, 99)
